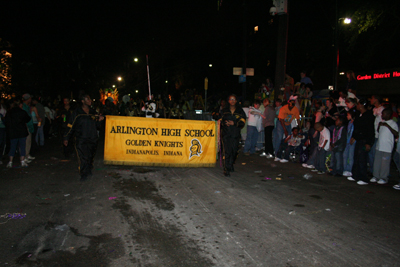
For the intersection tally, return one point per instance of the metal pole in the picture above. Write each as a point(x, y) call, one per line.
point(336, 46)
point(280, 69)
point(148, 75)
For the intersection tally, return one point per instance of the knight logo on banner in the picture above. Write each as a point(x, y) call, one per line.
point(195, 148)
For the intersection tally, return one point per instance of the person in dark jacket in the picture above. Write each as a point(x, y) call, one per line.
point(364, 134)
point(84, 123)
point(338, 144)
point(16, 120)
point(232, 121)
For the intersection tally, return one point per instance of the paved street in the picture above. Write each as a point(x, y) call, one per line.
point(265, 214)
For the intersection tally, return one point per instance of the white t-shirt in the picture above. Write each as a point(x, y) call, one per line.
point(253, 118)
point(378, 118)
point(385, 141)
point(324, 135)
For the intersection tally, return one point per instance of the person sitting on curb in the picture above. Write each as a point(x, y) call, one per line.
point(290, 145)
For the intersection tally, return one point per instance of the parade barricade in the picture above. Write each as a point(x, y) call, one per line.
point(160, 142)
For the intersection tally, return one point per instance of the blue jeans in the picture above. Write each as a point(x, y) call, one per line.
point(348, 157)
point(337, 162)
point(278, 135)
point(39, 138)
point(251, 139)
point(14, 144)
point(320, 160)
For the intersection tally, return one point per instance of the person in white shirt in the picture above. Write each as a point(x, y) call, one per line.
point(388, 132)
point(323, 147)
point(377, 102)
point(253, 127)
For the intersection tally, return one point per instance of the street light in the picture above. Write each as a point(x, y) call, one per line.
point(119, 78)
point(135, 59)
point(347, 20)
point(210, 65)
point(137, 91)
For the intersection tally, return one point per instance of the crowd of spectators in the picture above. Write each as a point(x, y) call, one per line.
point(344, 135)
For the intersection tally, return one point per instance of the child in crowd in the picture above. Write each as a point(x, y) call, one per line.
point(253, 127)
point(338, 144)
point(387, 133)
point(348, 154)
point(290, 145)
point(323, 148)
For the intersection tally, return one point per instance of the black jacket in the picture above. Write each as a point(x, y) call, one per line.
point(83, 126)
point(340, 144)
point(16, 120)
point(364, 129)
point(239, 119)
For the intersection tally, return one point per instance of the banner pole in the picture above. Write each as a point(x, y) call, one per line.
point(148, 75)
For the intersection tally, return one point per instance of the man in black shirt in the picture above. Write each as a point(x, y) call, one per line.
point(84, 124)
point(364, 136)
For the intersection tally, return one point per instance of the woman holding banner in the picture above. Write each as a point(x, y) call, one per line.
point(232, 121)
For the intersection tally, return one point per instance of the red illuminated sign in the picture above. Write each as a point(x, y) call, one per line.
point(385, 75)
point(365, 77)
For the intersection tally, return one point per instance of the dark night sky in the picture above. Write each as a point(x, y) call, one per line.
point(88, 45)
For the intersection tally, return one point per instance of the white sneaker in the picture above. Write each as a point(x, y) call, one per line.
point(361, 183)
point(311, 166)
point(277, 159)
point(351, 179)
point(263, 154)
point(283, 161)
point(304, 165)
point(27, 160)
point(347, 174)
point(396, 186)
point(373, 180)
point(314, 170)
point(270, 156)
point(381, 181)
point(9, 165)
point(321, 172)
point(24, 164)
point(30, 157)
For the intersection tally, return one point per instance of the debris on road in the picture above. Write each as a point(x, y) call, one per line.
point(307, 176)
point(111, 198)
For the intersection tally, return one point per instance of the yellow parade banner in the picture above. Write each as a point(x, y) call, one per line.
point(160, 142)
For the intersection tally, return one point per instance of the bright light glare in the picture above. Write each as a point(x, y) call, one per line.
point(166, 81)
point(113, 86)
point(137, 91)
point(210, 65)
point(136, 59)
point(119, 78)
point(256, 29)
point(342, 73)
point(347, 21)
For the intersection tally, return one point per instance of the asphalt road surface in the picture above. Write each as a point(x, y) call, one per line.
point(265, 214)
